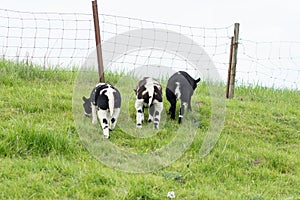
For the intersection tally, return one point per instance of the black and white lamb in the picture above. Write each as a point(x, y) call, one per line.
point(148, 95)
point(180, 86)
point(104, 102)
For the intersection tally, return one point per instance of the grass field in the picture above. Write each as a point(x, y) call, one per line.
point(42, 157)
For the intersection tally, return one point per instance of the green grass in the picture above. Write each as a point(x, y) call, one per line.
point(42, 156)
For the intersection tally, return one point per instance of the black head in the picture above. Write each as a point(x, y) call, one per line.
point(87, 106)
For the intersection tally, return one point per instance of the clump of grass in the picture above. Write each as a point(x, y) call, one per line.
point(26, 140)
point(30, 72)
point(30, 101)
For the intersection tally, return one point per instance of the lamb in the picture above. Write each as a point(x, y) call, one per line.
point(148, 95)
point(180, 86)
point(104, 101)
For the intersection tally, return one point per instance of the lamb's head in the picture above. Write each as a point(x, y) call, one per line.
point(87, 106)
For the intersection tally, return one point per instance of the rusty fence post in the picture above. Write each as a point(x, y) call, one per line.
point(98, 41)
point(233, 62)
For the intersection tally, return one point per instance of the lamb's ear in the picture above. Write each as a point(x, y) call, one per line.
point(198, 80)
point(84, 99)
point(134, 91)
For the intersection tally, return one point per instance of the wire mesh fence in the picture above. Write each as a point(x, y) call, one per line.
point(156, 46)
point(67, 40)
point(47, 39)
point(272, 64)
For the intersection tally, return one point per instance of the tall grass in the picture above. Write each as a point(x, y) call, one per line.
point(43, 157)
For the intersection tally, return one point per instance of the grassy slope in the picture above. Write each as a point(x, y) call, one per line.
point(41, 155)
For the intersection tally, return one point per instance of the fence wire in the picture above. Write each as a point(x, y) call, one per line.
point(272, 64)
point(47, 39)
point(67, 39)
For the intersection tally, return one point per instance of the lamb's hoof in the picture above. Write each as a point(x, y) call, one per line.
point(149, 120)
point(179, 120)
point(139, 125)
point(107, 136)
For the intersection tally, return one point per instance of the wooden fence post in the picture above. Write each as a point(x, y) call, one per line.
point(98, 41)
point(229, 68)
point(232, 62)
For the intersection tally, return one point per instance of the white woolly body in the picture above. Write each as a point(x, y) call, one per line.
point(150, 89)
point(111, 99)
point(153, 104)
point(107, 114)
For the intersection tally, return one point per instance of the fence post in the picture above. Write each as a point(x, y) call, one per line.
point(229, 68)
point(232, 62)
point(98, 41)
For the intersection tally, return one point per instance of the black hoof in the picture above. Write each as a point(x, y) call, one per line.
point(180, 120)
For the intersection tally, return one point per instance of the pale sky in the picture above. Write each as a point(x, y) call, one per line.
point(260, 20)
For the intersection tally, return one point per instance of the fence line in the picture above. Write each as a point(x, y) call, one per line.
point(214, 40)
point(67, 39)
point(47, 39)
point(273, 64)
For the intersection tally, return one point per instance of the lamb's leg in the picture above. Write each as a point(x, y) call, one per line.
point(143, 116)
point(182, 109)
point(102, 115)
point(151, 113)
point(139, 112)
point(157, 114)
point(172, 109)
point(94, 114)
point(172, 99)
point(114, 118)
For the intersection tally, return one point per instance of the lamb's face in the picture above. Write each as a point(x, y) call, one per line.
point(87, 106)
